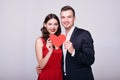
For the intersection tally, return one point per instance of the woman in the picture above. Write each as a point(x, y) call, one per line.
point(49, 57)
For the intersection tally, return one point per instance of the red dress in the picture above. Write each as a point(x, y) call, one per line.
point(53, 68)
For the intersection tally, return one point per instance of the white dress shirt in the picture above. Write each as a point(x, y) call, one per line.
point(68, 36)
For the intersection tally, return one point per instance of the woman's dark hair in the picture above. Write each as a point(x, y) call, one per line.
point(45, 33)
point(65, 8)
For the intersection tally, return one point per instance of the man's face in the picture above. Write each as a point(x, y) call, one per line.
point(67, 19)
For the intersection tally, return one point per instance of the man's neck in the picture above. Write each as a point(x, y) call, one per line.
point(67, 30)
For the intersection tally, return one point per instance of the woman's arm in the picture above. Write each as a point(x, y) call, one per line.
point(42, 61)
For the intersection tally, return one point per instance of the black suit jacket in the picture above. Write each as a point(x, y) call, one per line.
point(78, 67)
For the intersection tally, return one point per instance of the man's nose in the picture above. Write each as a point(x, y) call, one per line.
point(66, 19)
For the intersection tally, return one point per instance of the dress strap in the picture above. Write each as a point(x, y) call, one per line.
point(43, 40)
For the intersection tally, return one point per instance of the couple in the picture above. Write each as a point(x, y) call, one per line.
point(71, 61)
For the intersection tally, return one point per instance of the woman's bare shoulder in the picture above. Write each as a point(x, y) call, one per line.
point(39, 41)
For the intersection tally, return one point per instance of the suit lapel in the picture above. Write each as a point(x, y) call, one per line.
point(73, 35)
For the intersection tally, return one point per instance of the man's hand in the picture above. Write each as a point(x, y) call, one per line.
point(68, 45)
point(38, 70)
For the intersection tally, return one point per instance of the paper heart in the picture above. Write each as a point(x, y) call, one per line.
point(57, 40)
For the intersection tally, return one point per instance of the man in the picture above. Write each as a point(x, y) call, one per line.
point(78, 49)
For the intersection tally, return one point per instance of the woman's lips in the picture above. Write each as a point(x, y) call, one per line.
point(52, 30)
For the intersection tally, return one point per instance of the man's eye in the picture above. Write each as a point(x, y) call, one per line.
point(62, 17)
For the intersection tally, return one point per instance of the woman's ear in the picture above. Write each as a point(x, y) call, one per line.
point(44, 25)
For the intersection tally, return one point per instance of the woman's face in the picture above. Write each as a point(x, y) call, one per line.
point(52, 26)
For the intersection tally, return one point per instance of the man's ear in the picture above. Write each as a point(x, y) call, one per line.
point(74, 18)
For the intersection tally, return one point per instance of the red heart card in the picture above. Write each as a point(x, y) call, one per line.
point(57, 40)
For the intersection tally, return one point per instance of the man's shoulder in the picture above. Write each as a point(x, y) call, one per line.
point(81, 29)
point(83, 32)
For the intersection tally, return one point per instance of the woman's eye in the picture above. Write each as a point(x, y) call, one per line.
point(50, 24)
point(56, 24)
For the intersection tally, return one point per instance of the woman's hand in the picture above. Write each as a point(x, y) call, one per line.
point(49, 45)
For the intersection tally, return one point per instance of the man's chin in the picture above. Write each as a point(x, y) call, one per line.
point(67, 27)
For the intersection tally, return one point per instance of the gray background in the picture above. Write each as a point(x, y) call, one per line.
point(20, 23)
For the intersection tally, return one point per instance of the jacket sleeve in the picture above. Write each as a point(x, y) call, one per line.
point(85, 54)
